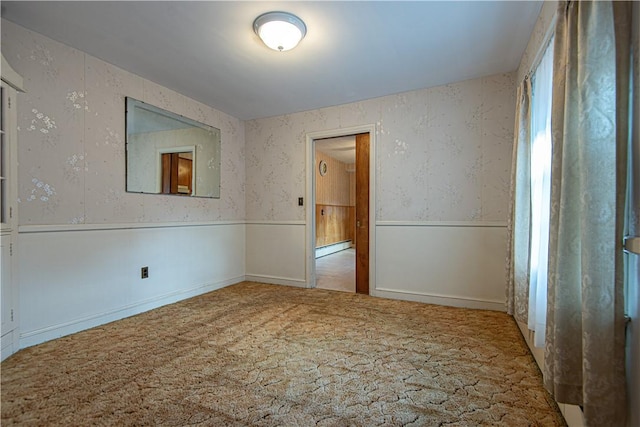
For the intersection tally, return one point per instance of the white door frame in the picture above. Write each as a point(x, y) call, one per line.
point(310, 233)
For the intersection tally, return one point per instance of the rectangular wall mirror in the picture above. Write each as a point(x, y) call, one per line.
point(170, 154)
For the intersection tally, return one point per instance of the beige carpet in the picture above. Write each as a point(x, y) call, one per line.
point(264, 355)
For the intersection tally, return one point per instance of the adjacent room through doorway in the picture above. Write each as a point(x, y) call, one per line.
point(335, 196)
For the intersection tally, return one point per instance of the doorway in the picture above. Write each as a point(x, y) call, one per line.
point(344, 230)
point(176, 170)
point(335, 205)
point(177, 173)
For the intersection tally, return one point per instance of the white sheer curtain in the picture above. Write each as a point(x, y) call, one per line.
point(528, 229)
point(540, 193)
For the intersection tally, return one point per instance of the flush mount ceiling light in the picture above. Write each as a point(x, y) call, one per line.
point(279, 30)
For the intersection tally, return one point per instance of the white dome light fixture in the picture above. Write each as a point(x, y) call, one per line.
point(280, 30)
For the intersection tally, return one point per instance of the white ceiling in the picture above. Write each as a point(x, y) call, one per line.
point(341, 148)
point(353, 50)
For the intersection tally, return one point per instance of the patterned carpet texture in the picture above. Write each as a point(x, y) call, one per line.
point(266, 355)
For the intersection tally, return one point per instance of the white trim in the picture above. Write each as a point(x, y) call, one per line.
point(9, 343)
point(11, 77)
point(124, 226)
point(499, 224)
point(276, 280)
point(258, 222)
point(28, 339)
point(548, 35)
point(311, 199)
point(448, 300)
point(536, 352)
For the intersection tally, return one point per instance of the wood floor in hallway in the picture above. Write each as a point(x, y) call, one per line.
point(337, 271)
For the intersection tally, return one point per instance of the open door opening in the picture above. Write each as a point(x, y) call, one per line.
point(341, 189)
point(335, 213)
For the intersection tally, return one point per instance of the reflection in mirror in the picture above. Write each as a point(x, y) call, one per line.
point(170, 154)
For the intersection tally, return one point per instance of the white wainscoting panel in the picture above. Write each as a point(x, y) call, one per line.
point(76, 279)
point(457, 265)
point(276, 252)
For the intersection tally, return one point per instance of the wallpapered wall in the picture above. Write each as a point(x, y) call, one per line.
point(334, 187)
point(72, 140)
point(443, 153)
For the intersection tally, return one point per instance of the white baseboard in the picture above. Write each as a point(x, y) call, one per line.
point(332, 249)
point(30, 338)
point(8, 346)
point(572, 414)
point(451, 301)
point(537, 352)
point(274, 280)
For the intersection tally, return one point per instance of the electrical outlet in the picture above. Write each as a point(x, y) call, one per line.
point(144, 272)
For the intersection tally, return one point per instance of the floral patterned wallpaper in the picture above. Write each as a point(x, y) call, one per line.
point(72, 140)
point(443, 153)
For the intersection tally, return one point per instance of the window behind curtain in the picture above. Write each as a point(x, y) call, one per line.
point(541, 90)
